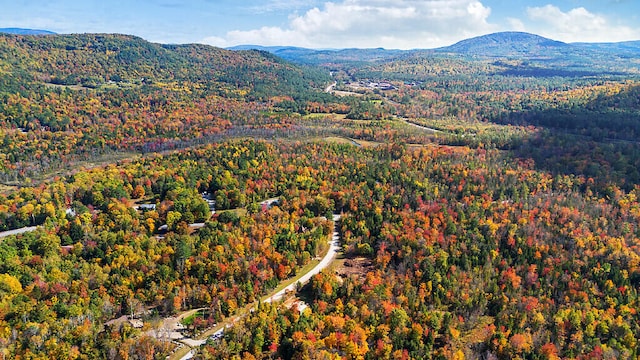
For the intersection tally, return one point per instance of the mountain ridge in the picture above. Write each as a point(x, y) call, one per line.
point(21, 31)
point(496, 38)
point(506, 44)
point(95, 59)
point(534, 52)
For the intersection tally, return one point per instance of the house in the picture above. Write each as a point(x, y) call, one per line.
point(299, 305)
point(268, 204)
point(147, 207)
point(212, 205)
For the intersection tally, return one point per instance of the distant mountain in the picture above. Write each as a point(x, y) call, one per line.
point(325, 56)
point(271, 49)
point(19, 31)
point(530, 47)
point(509, 44)
point(291, 53)
point(623, 49)
point(535, 55)
point(525, 54)
point(497, 45)
point(515, 45)
point(93, 60)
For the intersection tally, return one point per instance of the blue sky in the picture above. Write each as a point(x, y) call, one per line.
point(401, 24)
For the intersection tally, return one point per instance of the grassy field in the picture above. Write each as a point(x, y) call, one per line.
point(240, 212)
point(5, 189)
point(339, 140)
point(333, 116)
point(180, 353)
point(187, 321)
point(70, 87)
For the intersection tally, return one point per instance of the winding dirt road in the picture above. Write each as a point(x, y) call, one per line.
point(408, 122)
point(330, 87)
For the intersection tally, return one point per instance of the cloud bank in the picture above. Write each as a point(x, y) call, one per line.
point(408, 24)
point(398, 24)
point(577, 25)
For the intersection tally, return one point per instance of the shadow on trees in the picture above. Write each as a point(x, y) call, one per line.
point(567, 70)
point(597, 139)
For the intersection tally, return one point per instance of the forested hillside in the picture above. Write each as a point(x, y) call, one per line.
point(488, 207)
point(66, 99)
point(470, 253)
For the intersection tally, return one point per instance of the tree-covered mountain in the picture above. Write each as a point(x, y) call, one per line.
point(20, 31)
point(509, 44)
point(67, 98)
point(537, 55)
point(95, 59)
point(547, 57)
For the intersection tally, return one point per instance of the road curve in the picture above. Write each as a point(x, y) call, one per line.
point(18, 231)
point(334, 247)
point(330, 87)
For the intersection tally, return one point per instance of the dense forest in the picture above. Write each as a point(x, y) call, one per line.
point(487, 211)
point(68, 99)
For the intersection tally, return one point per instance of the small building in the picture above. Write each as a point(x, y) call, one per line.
point(299, 305)
point(136, 323)
point(146, 207)
point(268, 204)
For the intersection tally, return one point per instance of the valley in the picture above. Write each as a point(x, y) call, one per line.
point(482, 198)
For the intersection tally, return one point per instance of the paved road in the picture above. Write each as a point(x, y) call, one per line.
point(334, 247)
point(18, 231)
point(189, 355)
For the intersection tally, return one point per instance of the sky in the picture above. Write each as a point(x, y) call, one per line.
point(391, 24)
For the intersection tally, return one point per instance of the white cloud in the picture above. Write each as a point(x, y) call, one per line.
point(578, 25)
point(215, 41)
point(280, 5)
point(266, 36)
point(40, 23)
point(398, 24)
point(516, 24)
